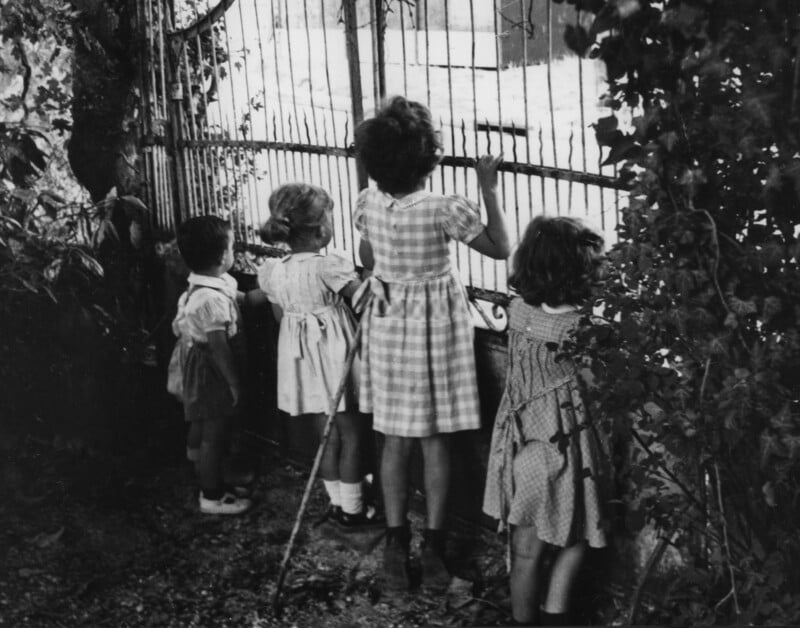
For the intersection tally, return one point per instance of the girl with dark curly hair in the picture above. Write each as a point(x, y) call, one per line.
point(546, 467)
point(418, 369)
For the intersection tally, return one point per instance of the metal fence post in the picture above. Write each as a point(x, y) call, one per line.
point(354, 67)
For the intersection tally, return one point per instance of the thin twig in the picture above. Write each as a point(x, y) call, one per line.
point(725, 542)
point(652, 562)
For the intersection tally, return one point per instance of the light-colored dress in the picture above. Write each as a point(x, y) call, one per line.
point(418, 360)
point(316, 330)
point(547, 466)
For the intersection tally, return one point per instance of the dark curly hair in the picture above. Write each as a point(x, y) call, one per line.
point(557, 261)
point(399, 147)
point(296, 213)
point(203, 240)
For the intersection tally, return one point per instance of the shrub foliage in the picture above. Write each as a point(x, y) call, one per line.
point(698, 366)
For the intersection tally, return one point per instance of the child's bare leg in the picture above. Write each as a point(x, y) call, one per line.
point(329, 465)
point(562, 577)
point(350, 437)
point(193, 441)
point(212, 450)
point(394, 478)
point(436, 457)
point(527, 551)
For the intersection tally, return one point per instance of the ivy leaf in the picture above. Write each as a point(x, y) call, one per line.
point(623, 147)
point(577, 38)
point(742, 308)
point(606, 130)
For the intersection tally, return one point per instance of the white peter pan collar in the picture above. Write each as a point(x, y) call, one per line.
point(224, 283)
point(560, 309)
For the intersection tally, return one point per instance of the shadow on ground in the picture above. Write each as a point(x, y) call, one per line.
point(86, 542)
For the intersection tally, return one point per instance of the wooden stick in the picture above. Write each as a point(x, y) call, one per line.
point(351, 354)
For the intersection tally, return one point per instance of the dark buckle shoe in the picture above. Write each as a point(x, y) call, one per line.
point(395, 560)
point(435, 575)
point(367, 518)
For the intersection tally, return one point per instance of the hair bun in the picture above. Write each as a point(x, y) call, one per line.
point(276, 229)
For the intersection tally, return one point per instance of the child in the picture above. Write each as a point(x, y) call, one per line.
point(208, 320)
point(546, 465)
point(307, 291)
point(418, 368)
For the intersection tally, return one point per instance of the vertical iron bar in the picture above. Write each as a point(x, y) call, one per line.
point(241, 180)
point(210, 169)
point(222, 154)
point(337, 159)
point(569, 166)
point(427, 57)
point(450, 105)
point(583, 120)
point(541, 163)
point(403, 48)
point(193, 170)
point(292, 84)
point(499, 64)
point(378, 51)
point(523, 18)
point(272, 170)
point(311, 91)
point(278, 86)
point(354, 66)
point(550, 93)
point(350, 183)
point(253, 151)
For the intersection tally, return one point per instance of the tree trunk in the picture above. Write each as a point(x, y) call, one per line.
point(103, 149)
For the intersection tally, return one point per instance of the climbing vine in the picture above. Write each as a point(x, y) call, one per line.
point(697, 368)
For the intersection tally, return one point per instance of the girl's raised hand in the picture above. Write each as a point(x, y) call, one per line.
point(487, 171)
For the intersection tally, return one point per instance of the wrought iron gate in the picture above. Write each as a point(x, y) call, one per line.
point(244, 95)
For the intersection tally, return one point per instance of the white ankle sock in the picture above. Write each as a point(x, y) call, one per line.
point(352, 497)
point(333, 488)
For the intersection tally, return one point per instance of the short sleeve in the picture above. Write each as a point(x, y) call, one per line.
point(461, 219)
point(263, 277)
point(337, 270)
point(177, 329)
point(212, 312)
point(360, 215)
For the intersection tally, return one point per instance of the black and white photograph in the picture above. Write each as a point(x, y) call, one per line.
point(399, 313)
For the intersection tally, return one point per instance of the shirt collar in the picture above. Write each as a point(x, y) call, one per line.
point(300, 256)
point(408, 200)
point(558, 309)
point(224, 283)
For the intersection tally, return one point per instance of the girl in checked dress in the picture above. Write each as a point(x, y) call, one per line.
point(418, 363)
point(307, 290)
point(546, 467)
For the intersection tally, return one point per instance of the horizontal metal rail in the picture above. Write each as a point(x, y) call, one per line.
point(528, 169)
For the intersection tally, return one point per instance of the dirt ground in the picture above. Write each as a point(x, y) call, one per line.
point(88, 543)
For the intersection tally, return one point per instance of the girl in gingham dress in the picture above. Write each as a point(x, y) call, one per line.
point(546, 468)
point(418, 364)
point(307, 290)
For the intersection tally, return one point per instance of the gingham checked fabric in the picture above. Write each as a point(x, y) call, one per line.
point(531, 480)
point(418, 361)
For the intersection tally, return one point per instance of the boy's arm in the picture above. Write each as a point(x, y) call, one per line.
point(350, 289)
point(493, 240)
point(277, 312)
point(365, 253)
point(255, 298)
point(222, 356)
